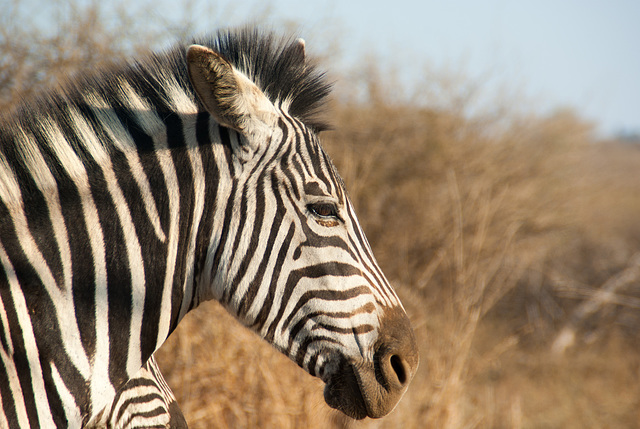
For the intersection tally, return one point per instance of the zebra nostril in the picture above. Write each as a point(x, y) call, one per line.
point(398, 368)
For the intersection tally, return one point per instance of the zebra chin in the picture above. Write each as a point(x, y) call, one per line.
point(372, 389)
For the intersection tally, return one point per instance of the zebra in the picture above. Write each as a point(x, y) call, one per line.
point(145, 401)
point(136, 192)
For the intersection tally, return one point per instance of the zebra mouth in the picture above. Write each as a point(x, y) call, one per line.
point(342, 392)
point(371, 389)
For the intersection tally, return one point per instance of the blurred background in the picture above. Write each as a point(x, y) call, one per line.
point(492, 152)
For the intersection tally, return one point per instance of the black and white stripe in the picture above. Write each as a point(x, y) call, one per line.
point(137, 192)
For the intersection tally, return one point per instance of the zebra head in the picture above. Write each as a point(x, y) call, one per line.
point(294, 263)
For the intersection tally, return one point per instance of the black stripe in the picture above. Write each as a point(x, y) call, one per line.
point(212, 177)
point(295, 329)
point(271, 292)
point(152, 413)
point(304, 346)
point(224, 136)
point(185, 176)
point(138, 400)
point(255, 228)
point(361, 246)
point(313, 272)
point(8, 401)
point(326, 295)
point(22, 364)
point(276, 223)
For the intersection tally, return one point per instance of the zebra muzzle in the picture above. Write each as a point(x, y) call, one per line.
point(373, 389)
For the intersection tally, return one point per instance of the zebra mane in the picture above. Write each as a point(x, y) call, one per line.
point(275, 64)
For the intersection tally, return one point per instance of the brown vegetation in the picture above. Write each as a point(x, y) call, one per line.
point(496, 238)
point(512, 240)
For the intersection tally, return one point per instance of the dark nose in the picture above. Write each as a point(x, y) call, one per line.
point(394, 370)
point(396, 357)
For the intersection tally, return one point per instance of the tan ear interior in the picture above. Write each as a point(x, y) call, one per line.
point(214, 81)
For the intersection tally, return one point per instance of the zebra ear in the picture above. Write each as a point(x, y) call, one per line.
point(231, 98)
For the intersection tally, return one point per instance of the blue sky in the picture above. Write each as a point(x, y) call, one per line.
point(556, 53)
point(581, 54)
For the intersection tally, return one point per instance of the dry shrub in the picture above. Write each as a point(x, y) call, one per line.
point(477, 224)
point(477, 219)
point(77, 38)
point(226, 376)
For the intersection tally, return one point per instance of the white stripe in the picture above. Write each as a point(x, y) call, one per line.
point(188, 110)
point(211, 275)
point(71, 410)
point(134, 252)
point(15, 391)
point(9, 188)
point(101, 389)
point(198, 210)
point(46, 183)
point(260, 252)
point(241, 252)
point(154, 373)
point(144, 421)
point(261, 297)
point(171, 179)
point(123, 141)
point(5, 327)
point(24, 320)
point(360, 347)
point(224, 272)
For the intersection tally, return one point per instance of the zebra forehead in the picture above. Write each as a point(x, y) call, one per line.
point(307, 158)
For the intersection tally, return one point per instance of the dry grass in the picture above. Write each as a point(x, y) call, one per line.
point(501, 232)
point(495, 241)
point(275, 393)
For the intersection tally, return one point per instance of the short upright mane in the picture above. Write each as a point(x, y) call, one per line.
point(277, 67)
point(275, 64)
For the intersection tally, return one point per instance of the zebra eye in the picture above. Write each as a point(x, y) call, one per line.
point(324, 210)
